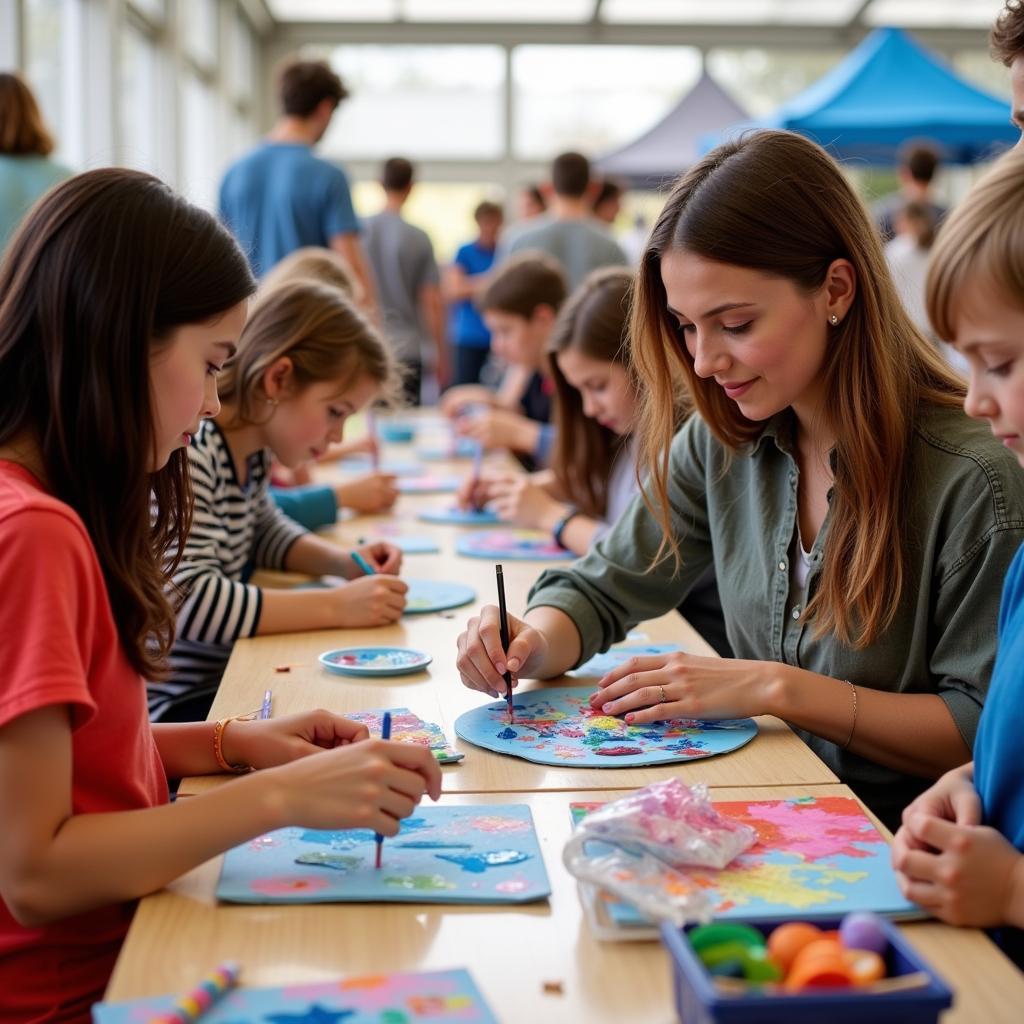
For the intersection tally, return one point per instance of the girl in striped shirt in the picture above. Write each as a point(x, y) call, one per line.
point(307, 360)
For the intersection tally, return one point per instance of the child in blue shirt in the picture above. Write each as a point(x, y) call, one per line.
point(960, 850)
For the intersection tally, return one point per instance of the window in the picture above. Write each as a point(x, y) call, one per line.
point(200, 163)
point(140, 110)
point(45, 60)
point(198, 21)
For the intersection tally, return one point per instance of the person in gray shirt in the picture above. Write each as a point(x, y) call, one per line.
point(568, 232)
point(408, 282)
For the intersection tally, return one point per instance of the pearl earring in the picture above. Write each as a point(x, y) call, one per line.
point(271, 401)
point(834, 320)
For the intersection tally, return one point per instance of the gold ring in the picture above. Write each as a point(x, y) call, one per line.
point(663, 697)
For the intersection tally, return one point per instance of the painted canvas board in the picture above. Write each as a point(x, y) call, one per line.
point(602, 664)
point(407, 727)
point(460, 448)
point(511, 545)
point(395, 532)
point(465, 854)
point(815, 857)
point(437, 997)
point(436, 596)
point(557, 726)
point(364, 464)
point(459, 517)
point(428, 484)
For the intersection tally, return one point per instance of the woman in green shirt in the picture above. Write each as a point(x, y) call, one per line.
point(858, 522)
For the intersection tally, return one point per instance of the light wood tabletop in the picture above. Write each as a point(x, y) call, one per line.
point(178, 934)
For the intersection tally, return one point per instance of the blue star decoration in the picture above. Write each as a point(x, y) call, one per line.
point(314, 1015)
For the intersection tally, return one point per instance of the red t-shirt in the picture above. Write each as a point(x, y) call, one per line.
point(59, 645)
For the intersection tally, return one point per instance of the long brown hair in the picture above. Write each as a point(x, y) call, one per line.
point(320, 331)
point(777, 203)
point(22, 132)
point(592, 321)
point(99, 274)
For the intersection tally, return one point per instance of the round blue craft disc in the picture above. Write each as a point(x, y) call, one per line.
point(374, 661)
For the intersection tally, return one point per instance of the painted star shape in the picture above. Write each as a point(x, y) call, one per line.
point(314, 1015)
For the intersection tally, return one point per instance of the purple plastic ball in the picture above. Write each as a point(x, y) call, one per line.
point(863, 931)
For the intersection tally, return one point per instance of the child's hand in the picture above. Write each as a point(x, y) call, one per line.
point(384, 557)
point(655, 687)
point(369, 601)
point(375, 492)
point(456, 399)
point(500, 428)
point(964, 874)
point(518, 500)
point(952, 798)
point(373, 784)
point(269, 742)
point(482, 662)
point(473, 492)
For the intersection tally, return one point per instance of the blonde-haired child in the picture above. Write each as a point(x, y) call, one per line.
point(307, 360)
point(960, 850)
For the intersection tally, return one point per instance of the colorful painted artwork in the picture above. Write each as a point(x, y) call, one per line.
point(460, 448)
point(460, 516)
point(465, 854)
point(815, 857)
point(601, 664)
point(436, 596)
point(428, 484)
point(511, 546)
point(394, 532)
point(395, 431)
point(557, 726)
point(407, 727)
point(364, 464)
point(375, 661)
point(437, 997)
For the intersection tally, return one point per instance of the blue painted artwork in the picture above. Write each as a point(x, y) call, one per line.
point(461, 448)
point(436, 596)
point(395, 432)
point(460, 516)
point(407, 727)
point(438, 997)
point(511, 545)
point(428, 484)
point(375, 661)
point(601, 664)
point(480, 853)
point(364, 464)
point(557, 726)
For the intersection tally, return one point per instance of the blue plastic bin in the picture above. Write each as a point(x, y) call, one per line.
point(698, 1001)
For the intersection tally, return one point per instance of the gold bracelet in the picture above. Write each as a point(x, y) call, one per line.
point(218, 749)
point(853, 722)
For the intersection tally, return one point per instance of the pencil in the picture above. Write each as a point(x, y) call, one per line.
point(363, 564)
point(265, 707)
point(503, 625)
point(191, 1006)
point(478, 458)
point(385, 734)
point(371, 426)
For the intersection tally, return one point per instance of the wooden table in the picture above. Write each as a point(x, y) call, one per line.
point(511, 951)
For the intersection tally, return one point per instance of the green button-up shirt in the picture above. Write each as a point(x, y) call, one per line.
point(966, 521)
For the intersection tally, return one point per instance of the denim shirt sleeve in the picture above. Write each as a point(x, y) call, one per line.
point(614, 586)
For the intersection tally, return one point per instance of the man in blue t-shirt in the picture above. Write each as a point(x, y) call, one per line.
point(464, 280)
point(280, 197)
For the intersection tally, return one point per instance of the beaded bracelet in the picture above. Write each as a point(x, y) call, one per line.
point(853, 722)
point(218, 748)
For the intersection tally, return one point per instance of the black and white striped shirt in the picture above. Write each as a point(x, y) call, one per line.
point(236, 528)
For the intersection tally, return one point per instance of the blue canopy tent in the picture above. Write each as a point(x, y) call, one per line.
point(886, 91)
point(663, 152)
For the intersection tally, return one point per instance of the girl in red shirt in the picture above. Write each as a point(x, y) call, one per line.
point(119, 304)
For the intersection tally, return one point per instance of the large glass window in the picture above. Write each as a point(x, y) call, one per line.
point(198, 26)
point(45, 40)
point(140, 109)
point(594, 98)
point(761, 80)
point(430, 101)
point(200, 163)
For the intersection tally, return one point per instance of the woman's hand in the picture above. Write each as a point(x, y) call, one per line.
point(656, 687)
point(372, 784)
point(375, 492)
point(517, 499)
point(964, 874)
point(384, 557)
point(368, 601)
point(266, 743)
point(482, 662)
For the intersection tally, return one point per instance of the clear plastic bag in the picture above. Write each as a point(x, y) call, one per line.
point(639, 847)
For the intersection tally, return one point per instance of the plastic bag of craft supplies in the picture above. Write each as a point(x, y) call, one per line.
point(639, 849)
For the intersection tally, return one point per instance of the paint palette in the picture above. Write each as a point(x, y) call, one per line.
point(407, 727)
point(511, 546)
point(462, 448)
point(374, 661)
point(428, 484)
point(436, 596)
point(815, 857)
point(601, 664)
point(435, 996)
point(483, 853)
point(460, 516)
point(557, 726)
